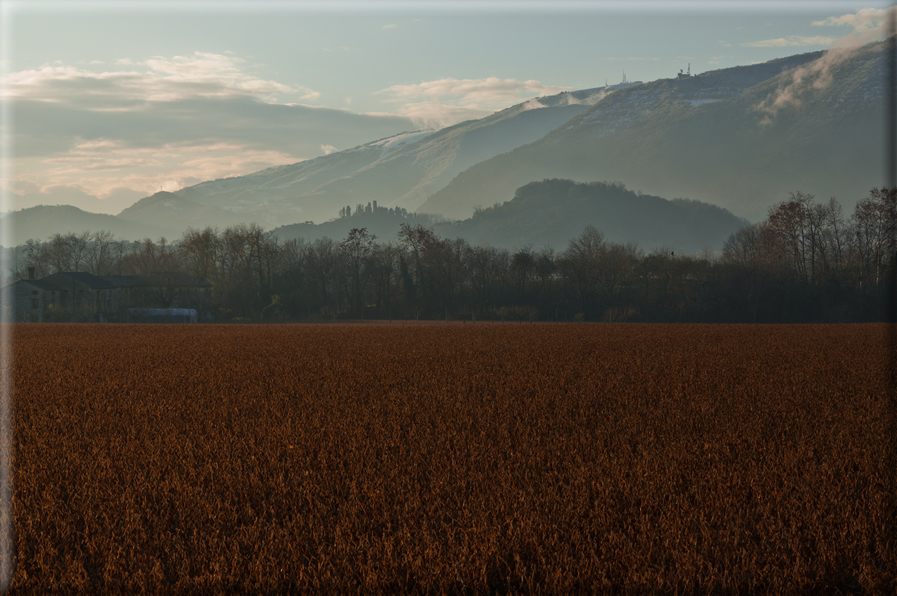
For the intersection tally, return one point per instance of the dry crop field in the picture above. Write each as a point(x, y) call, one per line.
point(453, 459)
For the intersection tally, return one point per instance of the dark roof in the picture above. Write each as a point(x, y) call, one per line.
point(40, 284)
point(88, 279)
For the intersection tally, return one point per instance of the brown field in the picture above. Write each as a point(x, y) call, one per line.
point(453, 459)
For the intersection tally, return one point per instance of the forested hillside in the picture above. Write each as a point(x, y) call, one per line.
point(551, 212)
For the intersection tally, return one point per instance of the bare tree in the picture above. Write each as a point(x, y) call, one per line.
point(789, 233)
point(200, 252)
point(355, 251)
point(582, 261)
point(872, 232)
point(383, 267)
point(836, 236)
point(99, 253)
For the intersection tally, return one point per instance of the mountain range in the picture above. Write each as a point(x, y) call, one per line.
point(399, 171)
point(739, 138)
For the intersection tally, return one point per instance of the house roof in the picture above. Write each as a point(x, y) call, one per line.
point(40, 284)
point(88, 279)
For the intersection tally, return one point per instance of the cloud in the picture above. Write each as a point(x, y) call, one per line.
point(100, 167)
point(447, 101)
point(862, 20)
point(433, 115)
point(392, 26)
point(328, 149)
point(181, 118)
point(630, 59)
point(791, 41)
point(867, 25)
point(162, 79)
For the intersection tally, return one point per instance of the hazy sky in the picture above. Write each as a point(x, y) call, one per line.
point(126, 98)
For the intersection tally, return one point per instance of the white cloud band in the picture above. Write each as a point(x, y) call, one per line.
point(447, 101)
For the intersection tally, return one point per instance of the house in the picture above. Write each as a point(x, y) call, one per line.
point(84, 297)
point(29, 300)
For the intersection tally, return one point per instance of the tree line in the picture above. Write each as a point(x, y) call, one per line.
point(806, 262)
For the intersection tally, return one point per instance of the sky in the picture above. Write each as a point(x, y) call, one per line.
point(108, 102)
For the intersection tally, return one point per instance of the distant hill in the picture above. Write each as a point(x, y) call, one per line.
point(119, 199)
point(706, 138)
point(165, 210)
point(45, 220)
point(552, 212)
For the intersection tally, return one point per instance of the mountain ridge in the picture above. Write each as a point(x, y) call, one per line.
point(398, 171)
point(702, 138)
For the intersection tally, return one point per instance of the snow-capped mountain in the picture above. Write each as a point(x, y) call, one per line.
point(741, 138)
point(399, 171)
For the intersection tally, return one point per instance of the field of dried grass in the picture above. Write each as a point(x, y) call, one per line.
point(459, 459)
